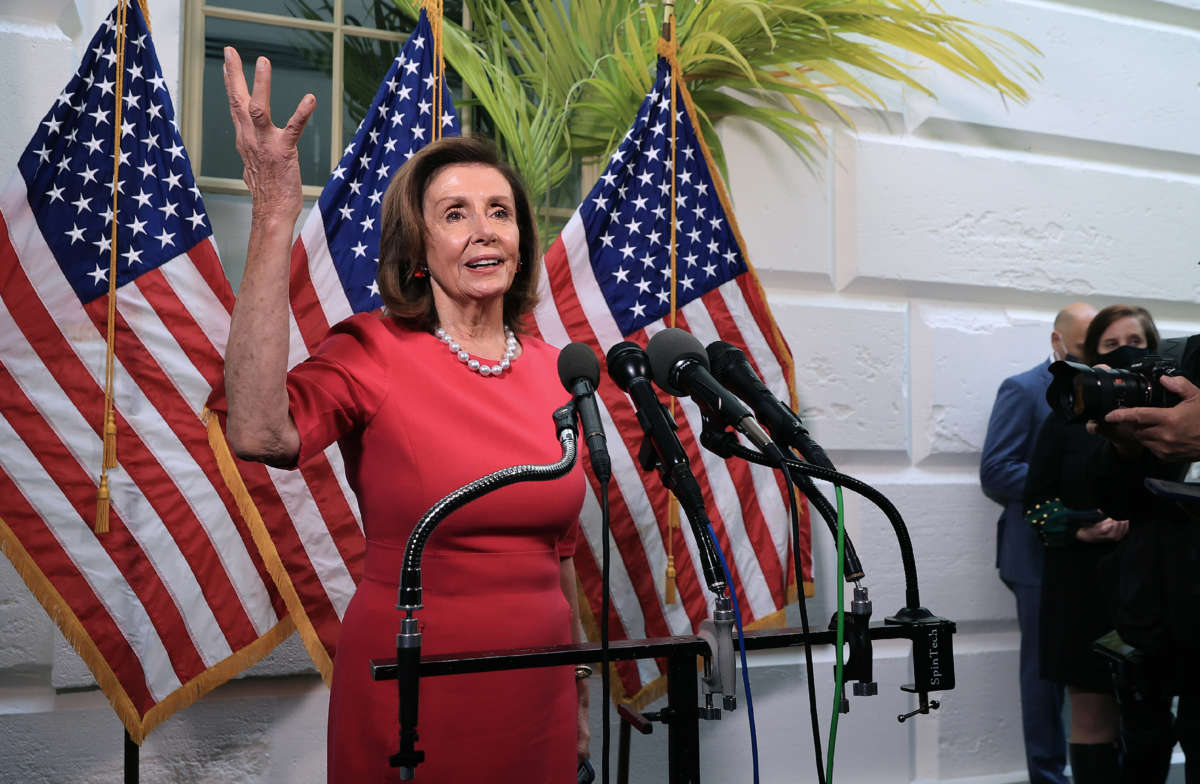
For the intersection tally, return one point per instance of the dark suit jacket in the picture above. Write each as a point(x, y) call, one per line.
point(1017, 416)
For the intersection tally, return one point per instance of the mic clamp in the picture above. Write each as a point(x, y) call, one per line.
point(933, 655)
point(720, 670)
point(564, 420)
point(859, 666)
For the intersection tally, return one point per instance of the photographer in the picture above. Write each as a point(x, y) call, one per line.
point(1159, 580)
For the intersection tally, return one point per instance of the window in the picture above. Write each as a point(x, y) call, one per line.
point(338, 50)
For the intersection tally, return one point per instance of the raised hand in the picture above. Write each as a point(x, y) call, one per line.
point(269, 154)
point(259, 426)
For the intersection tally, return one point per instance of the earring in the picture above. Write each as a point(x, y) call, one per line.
point(421, 271)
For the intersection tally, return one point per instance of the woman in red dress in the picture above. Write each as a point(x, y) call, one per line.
point(437, 391)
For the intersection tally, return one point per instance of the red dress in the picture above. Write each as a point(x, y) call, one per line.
point(414, 424)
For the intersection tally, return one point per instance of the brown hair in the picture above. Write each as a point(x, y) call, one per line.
point(1109, 316)
point(409, 298)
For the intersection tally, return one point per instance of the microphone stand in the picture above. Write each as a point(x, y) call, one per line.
point(408, 641)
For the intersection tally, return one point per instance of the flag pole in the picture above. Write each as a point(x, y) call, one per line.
point(668, 36)
point(109, 427)
point(131, 749)
point(433, 9)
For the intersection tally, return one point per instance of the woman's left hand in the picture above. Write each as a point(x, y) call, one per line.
point(1107, 530)
point(584, 732)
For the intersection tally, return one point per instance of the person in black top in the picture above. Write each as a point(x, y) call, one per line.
point(1079, 576)
point(1158, 602)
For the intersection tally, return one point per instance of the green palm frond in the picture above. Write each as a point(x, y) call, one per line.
point(562, 80)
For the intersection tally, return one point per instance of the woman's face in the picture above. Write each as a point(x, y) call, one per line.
point(472, 240)
point(1125, 331)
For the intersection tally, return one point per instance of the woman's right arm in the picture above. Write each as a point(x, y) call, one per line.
point(259, 425)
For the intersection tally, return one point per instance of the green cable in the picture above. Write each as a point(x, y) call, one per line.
point(841, 631)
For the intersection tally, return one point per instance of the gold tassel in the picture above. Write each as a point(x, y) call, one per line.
point(110, 440)
point(672, 527)
point(670, 579)
point(101, 526)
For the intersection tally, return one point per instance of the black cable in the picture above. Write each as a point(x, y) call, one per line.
point(794, 513)
point(605, 676)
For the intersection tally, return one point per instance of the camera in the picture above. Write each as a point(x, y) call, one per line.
point(1079, 393)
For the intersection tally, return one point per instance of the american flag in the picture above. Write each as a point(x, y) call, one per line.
point(173, 600)
point(315, 548)
point(609, 278)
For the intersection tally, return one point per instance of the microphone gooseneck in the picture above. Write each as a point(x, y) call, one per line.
point(908, 562)
point(410, 575)
point(629, 368)
point(579, 372)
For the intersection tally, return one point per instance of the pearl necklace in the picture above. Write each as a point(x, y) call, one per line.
point(510, 353)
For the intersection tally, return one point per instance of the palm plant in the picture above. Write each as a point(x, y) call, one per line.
point(562, 79)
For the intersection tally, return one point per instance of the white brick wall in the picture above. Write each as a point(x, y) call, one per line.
point(911, 266)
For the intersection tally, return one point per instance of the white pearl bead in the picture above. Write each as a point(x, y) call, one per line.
point(496, 369)
point(473, 364)
point(463, 356)
point(504, 363)
point(484, 370)
point(455, 347)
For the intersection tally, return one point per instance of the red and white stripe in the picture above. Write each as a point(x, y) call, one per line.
point(176, 586)
point(747, 503)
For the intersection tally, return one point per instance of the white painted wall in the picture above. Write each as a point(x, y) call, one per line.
point(911, 268)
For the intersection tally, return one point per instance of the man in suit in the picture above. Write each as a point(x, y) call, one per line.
point(1016, 418)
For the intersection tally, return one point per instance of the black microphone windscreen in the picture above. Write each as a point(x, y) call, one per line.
point(578, 361)
point(626, 361)
point(667, 349)
point(721, 356)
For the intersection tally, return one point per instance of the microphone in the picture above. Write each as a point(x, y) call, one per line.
point(730, 366)
point(681, 368)
point(579, 371)
point(629, 368)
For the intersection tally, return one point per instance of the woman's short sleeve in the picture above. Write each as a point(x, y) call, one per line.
point(340, 387)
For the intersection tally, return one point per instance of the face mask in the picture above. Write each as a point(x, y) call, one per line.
point(1122, 357)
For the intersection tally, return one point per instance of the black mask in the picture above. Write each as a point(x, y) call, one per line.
point(1122, 356)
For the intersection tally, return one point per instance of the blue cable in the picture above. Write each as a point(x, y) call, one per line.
point(737, 616)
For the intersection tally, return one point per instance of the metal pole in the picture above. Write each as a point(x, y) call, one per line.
point(683, 721)
point(131, 760)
